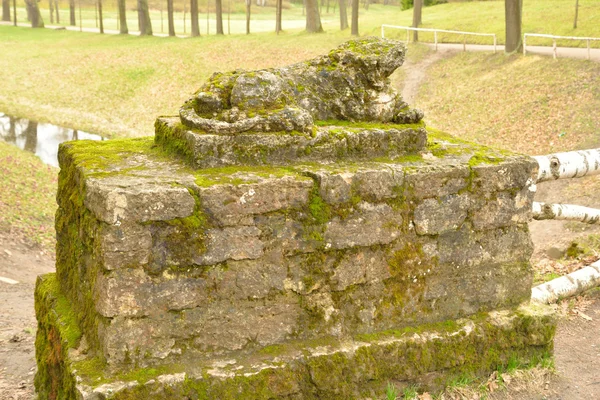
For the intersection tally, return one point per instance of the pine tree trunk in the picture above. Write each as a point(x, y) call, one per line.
point(278, 15)
point(72, 20)
point(343, 15)
point(513, 21)
point(100, 16)
point(31, 131)
point(354, 27)
point(194, 17)
point(144, 18)
point(576, 14)
point(5, 10)
point(33, 11)
point(417, 10)
point(57, 11)
point(123, 30)
point(313, 19)
point(219, 16)
point(171, 17)
point(248, 9)
point(51, 10)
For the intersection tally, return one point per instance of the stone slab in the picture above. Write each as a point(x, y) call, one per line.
point(357, 367)
point(325, 144)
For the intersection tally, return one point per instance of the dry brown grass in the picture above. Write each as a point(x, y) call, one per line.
point(532, 105)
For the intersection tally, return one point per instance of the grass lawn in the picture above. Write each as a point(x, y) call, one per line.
point(27, 198)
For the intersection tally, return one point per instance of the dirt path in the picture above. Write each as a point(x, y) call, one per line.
point(19, 263)
point(416, 73)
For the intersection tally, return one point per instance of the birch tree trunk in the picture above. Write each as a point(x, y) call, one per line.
point(568, 285)
point(572, 164)
point(569, 212)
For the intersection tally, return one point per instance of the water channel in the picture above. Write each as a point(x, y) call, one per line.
point(40, 139)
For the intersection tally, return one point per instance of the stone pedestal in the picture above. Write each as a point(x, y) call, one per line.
point(320, 264)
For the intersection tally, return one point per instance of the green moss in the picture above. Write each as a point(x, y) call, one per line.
point(319, 210)
point(48, 290)
point(237, 175)
point(482, 158)
point(58, 332)
point(367, 125)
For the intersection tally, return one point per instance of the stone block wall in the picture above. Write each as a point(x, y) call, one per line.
point(162, 262)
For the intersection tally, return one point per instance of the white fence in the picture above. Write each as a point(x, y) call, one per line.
point(553, 37)
point(435, 32)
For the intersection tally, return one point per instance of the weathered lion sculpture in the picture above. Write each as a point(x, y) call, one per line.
point(350, 83)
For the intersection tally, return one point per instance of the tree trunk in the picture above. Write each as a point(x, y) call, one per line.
point(576, 14)
point(31, 135)
point(5, 10)
point(15, 12)
point(33, 11)
point(313, 19)
point(248, 9)
point(417, 11)
point(194, 17)
point(51, 10)
point(278, 13)
point(123, 30)
point(513, 20)
point(170, 17)
point(566, 286)
point(568, 212)
point(100, 16)
point(57, 11)
point(572, 164)
point(72, 20)
point(343, 15)
point(367, 4)
point(12, 131)
point(354, 27)
point(219, 16)
point(144, 18)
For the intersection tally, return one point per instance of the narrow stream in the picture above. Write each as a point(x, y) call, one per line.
point(40, 139)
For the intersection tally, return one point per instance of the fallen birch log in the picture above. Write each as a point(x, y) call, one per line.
point(572, 164)
point(569, 285)
point(569, 212)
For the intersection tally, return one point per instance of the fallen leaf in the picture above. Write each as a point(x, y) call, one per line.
point(492, 386)
point(425, 396)
point(584, 316)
